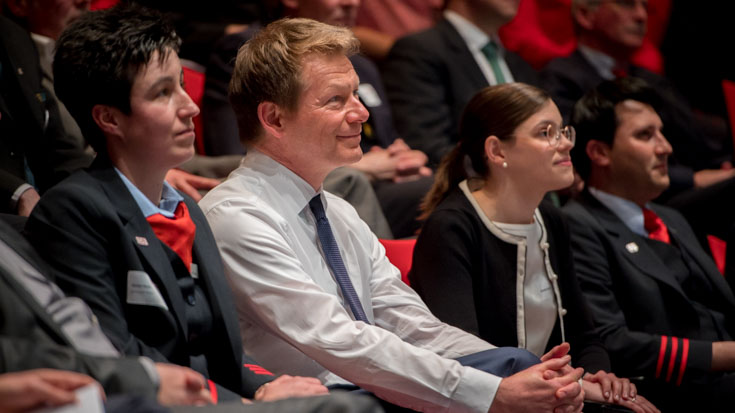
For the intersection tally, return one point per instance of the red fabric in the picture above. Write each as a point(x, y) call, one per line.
point(655, 226)
point(258, 369)
point(400, 254)
point(102, 4)
point(719, 252)
point(672, 357)
point(661, 355)
point(684, 357)
point(178, 232)
point(212, 390)
point(543, 30)
point(194, 84)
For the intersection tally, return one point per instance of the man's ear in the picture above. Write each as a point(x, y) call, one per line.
point(271, 118)
point(584, 16)
point(18, 8)
point(494, 150)
point(598, 152)
point(106, 118)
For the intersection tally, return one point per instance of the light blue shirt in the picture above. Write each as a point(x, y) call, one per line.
point(169, 199)
point(628, 211)
point(603, 63)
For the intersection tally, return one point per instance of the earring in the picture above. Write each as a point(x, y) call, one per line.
point(505, 164)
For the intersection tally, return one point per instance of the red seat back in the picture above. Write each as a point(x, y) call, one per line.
point(400, 254)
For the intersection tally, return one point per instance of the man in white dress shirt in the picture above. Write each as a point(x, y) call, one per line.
point(295, 94)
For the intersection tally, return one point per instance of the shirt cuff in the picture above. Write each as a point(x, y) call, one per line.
point(150, 367)
point(475, 392)
point(17, 194)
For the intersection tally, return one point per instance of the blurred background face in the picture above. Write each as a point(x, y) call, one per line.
point(334, 12)
point(49, 17)
point(503, 10)
point(621, 23)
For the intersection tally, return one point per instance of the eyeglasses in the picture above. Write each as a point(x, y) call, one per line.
point(553, 134)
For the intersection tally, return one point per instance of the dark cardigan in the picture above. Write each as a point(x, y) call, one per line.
point(467, 277)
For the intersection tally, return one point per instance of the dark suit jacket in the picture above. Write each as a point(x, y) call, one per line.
point(567, 79)
point(30, 338)
point(92, 232)
point(30, 125)
point(634, 299)
point(430, 76)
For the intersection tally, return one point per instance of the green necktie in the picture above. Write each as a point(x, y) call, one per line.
point(490, 50)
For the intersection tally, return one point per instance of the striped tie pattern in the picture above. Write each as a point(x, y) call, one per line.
point(334, 259)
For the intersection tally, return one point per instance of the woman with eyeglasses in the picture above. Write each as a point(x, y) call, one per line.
point(492, 258)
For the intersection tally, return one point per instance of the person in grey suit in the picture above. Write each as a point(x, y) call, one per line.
point(659, 303)
point(430, 76)
point(121, 238)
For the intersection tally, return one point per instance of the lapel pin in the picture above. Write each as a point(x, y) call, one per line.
point(20, 71)
point(632, 247)
point(141, 241)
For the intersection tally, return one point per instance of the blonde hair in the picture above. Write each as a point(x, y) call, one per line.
point(268, 67)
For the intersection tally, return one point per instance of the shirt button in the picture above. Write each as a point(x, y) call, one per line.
point(553, 277)
point(563, 311)
point(544, 245)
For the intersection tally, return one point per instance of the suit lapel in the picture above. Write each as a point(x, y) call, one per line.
point(691, 247)
point(461, 55)
point(144, 240)
point(639, 254)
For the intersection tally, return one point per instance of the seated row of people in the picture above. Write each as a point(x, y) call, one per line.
point(142, 255)
point(313, 298)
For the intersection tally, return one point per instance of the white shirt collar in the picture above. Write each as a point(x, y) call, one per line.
point(295, 193)
point(475, 38)
point(628, 211)
point(603, 63)
point(167, 206)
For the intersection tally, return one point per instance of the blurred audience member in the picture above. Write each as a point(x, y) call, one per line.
point(663, 310)
point(608, 33)
point(430, 76)
point(35, 150)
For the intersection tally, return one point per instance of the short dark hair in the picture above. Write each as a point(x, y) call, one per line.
point(594, 116)
point(98, 57)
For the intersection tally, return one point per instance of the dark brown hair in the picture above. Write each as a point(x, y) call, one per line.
point(495, 110)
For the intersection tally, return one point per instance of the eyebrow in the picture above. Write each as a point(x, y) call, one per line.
point(164, 79)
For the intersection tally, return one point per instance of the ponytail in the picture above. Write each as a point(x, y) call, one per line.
point(450, 173)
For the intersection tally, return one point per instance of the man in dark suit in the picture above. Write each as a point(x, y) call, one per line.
point(136, 250)
point(608, 34)
point(35, 150)
point(430, 76)
point(661, 307)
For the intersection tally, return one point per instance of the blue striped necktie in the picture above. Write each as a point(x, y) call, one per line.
point(334, 259)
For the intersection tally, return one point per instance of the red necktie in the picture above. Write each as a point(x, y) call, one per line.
point(655, 226)
point(177, 232)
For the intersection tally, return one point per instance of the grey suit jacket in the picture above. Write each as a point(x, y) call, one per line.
point(30, 338)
